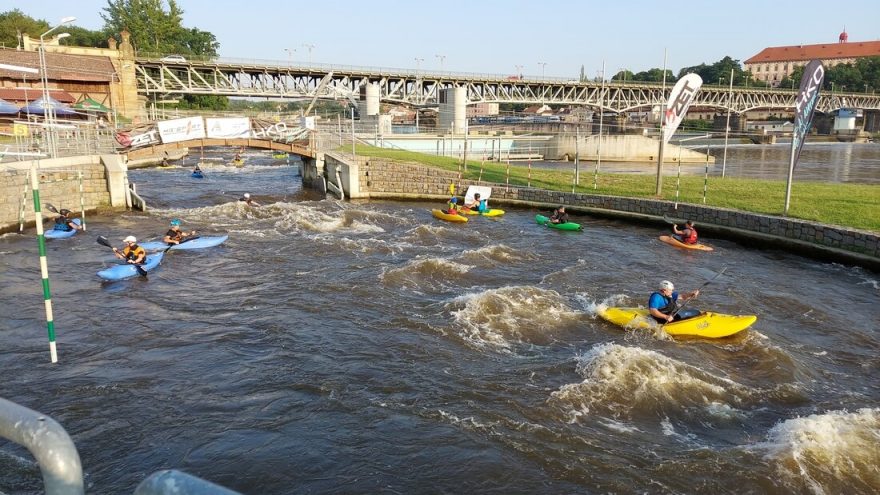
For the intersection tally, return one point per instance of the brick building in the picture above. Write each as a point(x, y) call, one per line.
point(775, 63)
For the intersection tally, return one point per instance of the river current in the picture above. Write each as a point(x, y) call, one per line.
point(366, 347)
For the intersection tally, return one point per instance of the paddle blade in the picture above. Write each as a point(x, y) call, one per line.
point(452, 189)
point(51, 208)
point(104, 242)
point(140, 270)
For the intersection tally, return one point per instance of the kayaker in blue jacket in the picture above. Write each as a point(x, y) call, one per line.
point(476, 204)
point(175, 235)
point(663, 303)
point(64, 222)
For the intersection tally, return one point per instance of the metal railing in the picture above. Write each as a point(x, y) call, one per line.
point(59, 460)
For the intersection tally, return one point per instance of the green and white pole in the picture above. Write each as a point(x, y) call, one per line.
point(82, 200)
point(44, 267)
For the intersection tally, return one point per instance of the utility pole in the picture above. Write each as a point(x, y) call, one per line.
point(310, 47)
point(662, 130)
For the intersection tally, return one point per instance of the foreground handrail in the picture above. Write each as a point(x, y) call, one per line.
point(173, 482)
point(50, 445)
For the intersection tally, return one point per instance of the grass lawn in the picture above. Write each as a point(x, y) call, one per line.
point(848, 205)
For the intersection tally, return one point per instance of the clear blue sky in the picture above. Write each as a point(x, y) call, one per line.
point(495, 36)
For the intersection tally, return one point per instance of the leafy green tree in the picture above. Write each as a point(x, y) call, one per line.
point(157, 30)
point(624, 75)
point(654, 75)
point(15, 22)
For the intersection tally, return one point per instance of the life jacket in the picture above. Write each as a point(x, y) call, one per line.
point(133, 254)
point(62, 223)
point(451, 208)
point(692, 238)
point(670, 304)
point(482, 207)
point(175, 235)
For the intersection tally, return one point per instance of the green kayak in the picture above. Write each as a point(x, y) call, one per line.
point(542, 220)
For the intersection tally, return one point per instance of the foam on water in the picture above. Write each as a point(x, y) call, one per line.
point(835, 452)
point(508, 315)
point(622, 381)
point(424, 274)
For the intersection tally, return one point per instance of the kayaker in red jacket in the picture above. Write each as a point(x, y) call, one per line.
point(687, 235)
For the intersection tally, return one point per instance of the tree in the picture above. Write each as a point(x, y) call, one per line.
point(654, 75)
point(624, 75)
point(15, 23)
point(155, 30)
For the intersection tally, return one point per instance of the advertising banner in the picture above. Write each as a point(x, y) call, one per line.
point(679, 100)
point(138, 136)
point(172, 131)
point(238, 127)
point(805, 106)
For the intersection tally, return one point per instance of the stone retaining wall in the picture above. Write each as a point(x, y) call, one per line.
point(383, 178)
point(59, 185)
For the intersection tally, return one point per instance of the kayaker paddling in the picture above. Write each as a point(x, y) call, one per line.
point(687, 235)
point(452, 206)
point(559, 215)
point(246, 198)
point(131, 253)
point(64, 222)
point(663, 304)
point(175, 235)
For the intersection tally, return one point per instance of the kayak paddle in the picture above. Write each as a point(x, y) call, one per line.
point(698, 288)
point(104, 242)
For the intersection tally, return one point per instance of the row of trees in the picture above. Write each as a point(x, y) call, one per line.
point(860, 76)
point(154, 29)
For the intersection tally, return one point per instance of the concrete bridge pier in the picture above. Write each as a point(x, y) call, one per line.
point(453, 110)
point(313, 173)
point(368, 106)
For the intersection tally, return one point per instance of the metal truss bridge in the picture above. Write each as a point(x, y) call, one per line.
point(159, 79)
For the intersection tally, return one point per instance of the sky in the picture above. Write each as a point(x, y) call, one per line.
point(495, 37)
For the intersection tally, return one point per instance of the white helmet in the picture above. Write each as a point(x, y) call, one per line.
point(666, 284)
point(247, 195)
point(131, 239)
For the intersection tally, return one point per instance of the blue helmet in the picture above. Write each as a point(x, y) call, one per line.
point(175, 222)
point(453, 200)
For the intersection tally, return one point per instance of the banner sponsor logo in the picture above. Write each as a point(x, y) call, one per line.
point(227, 128)
point(680, 99)
point(805, 105)
point(136, 138)
point(172, 131)
point(274, 132)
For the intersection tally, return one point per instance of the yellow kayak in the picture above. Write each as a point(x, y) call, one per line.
point(238, 163)
point(675, 242)
point(492, 212)
point(706, 324)
point(449, 218)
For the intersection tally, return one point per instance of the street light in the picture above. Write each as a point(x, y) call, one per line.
point(543, 86)
point(310, 47)
point(290, 52)
point(519, 70)
point(49, 110)
point(622, 70)
point(442, 59)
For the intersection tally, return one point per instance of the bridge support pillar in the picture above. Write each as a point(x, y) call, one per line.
point(369, 103)
point(313, 173)
point(453, 110)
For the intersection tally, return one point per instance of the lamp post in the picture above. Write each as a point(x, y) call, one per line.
point(519, 70)
point(290, 52)
point(622, 70)
point(309, 47)
point(543, 86)
point(49, 110)
point(442, 59)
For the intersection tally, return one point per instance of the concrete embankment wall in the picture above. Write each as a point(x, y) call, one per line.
point(626, 148)
point(364, 177)
point(103, 185)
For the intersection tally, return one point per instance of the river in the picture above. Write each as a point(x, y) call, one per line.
point(365, 347)
point(824, 162)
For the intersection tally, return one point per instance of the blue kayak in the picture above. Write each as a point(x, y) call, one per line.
point(197, 175)
point(127, 270)
point(197, 243)
point(62, 234)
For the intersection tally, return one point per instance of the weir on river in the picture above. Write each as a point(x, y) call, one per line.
point(365, 346)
